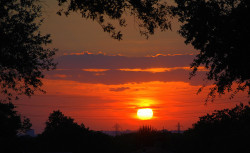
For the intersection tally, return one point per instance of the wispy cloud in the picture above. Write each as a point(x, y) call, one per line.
point(60, 76)
point(156, 70)
point(101, 61)
point(95, 70)
point(119, 89)
point(113, 70)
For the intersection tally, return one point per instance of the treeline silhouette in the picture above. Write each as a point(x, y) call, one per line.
point(222, 131)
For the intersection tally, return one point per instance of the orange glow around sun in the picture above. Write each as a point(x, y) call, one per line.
point(145, 113)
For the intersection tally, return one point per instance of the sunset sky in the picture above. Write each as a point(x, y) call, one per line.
point(100, 81)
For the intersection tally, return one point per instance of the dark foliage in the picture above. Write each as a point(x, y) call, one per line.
point(11, 124)
point(63, 134)
point(23, 57)
point(222, 131)
point(147, 139)
point(219, 29)
point(149, 14)
point(10, 121)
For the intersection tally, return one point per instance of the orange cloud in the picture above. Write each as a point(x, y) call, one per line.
point(95, 70)
point(156, 55)
point(156, 70)
point(81, 53)
point(60, 75)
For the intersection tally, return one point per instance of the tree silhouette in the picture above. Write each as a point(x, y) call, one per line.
point(149, 14)
point(11, 124)
point(219, 29)
point(63, 134)
point(23, 57)
point(57, 120)
point(222, 131)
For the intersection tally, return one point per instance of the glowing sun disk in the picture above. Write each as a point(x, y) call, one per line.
point(145, 113)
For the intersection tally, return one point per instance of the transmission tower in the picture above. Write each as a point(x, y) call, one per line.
point(179, 127)
point(116, 127)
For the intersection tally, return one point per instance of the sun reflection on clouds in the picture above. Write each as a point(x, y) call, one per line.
point(143, 102)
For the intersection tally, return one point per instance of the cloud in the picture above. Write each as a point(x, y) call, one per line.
point(119, 89)
point(60, 76)
point(113, 70)
point(155, 70)
point(101, 61)
point(95, 70)
point(113, 77)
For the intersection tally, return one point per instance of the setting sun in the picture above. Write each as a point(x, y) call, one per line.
point(145, 113)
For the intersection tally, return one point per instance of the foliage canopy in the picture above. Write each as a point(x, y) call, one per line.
point(219, 29)
point(11, 123)
point(148, 14)
point(23, 57)
point(62, 133)
point(222, 131)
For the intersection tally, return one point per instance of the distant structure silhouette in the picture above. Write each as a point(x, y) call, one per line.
point(179, 127)
point(117, 128)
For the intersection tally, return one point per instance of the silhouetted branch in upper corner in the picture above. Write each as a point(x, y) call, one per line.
point(149, 14)
point(219, 29)
point(23, 56)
